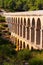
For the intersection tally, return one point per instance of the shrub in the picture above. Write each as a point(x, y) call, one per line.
point(7, 63)
point(4, 25)
point(2, 19)
point(36, 61)
point(24, 54)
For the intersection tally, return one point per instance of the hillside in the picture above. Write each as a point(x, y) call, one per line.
point(21, 5)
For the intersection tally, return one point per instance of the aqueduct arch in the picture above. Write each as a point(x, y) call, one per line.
point(20, 45)
point(28, 31)
point(18, 25)
point(23, 45)
point(38, 31)
point(27, 46)
point(33, 30)
point(21, 22)
point(24, 27)
point(27, 27)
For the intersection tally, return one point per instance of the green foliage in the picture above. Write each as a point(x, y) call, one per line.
point(21, 5)
point(7, 51)
point(36, 61)
point(39, 4)
point(2, 19)
point(24, 54)
point(6, 63)
point(5, 25)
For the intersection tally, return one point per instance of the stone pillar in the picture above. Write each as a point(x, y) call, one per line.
point(35, 37)
point(30, 33)
point(40, 39)
point(26, 32)
point(22, 31)
point(19, 30)
point(15, 28)
point(19, 44)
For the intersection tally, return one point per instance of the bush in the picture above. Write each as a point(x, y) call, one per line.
point(4, 25)
point(7, 63)
point(2, 28)
point(36, 61)
point(2, 19)
point(24, 54)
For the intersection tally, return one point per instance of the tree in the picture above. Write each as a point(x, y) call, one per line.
point(39, 4)
point(2, 3)
point(7, 51)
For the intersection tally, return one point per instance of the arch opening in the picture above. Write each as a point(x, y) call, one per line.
point(23, 45)
point(38, 23)
point(15, 41)
point(28, 33)
point(14, 20)
point(28, 25)
point(18, 20)
point(24, 27)
point(23, 31)
point(12, 25)
point(20, 45)
point(38, 31)
point(32, 48)
point(18, 25)
point(20, 30)
point(24, 21)
point(21, 21)
point(33, 23)
point(27, 46)
point(33, 30)
point(21, 27)
point(28, 22)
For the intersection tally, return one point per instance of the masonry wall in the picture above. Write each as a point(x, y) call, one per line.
point(26, 31)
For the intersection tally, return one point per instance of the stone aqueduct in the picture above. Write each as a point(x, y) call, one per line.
point(26, 29)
